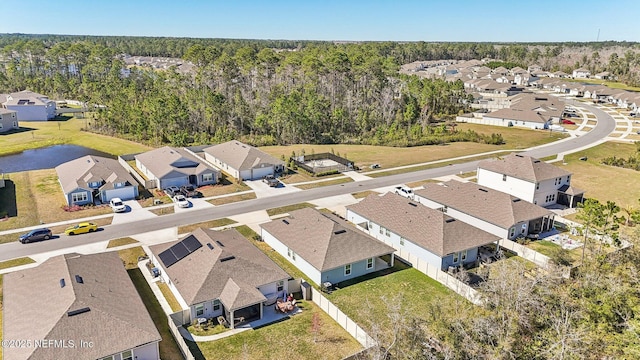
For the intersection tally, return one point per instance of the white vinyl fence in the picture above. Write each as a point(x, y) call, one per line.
point(173, 318)
point(525, 252)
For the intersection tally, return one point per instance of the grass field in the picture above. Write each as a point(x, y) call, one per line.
point(231, 199)
point(168, 295)
point(165, 210)
point(16, 262)
point(130, 257)
point(387, 157)
point(611, 84)
point(288, 208)
point(39, 134)
point(220, 189)
point(364, 194)
point(121, 241)
point(431, 166)
point(207, 224)
point(343, 180)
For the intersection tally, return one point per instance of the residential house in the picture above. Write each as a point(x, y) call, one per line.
point(219, 273)
point(429, 234)
point(242, 161)
point(8, 120)
point(76, 306)
point(516, 117)
point(90, 178)
point(534, 68)
point(559, 74)
point(501, 70)
point(498, 213)
point(581, 73)
point(169, 166)
point(605, 75)
point(30, 106)
point(529, 179)
point(325, 247)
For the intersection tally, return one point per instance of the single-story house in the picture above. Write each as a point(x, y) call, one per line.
point(493, 211)
point(516, 117)
point(91, 178)
point(30, 106)
point(242, 161)
point(8, 120)
point(429, 234)
point(529, 179)
point(76, 306)
point(219, 273)
point(605, 75)
point(325, 247)
point(169, 166)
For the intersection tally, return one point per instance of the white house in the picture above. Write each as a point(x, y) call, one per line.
point(324, 247)
point(581, 73)
point(605, 75)
point(77, 307)
point(8, 120)
point(30, 106)
point(493, 211)
point(169, 166)
point(429, 234)
point(529, 179)
point(219, 273)
point(242, 161)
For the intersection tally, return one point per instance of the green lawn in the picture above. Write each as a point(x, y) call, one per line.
point(168, 347)
point(364, 194)
point(611, 84)
point(16, 262)
point(165, 210)
point(231, 199)
point(432, 166)
point(289, 339)
point(324, 183)
point(121, 241)
point(207, 224)
point(289, 208)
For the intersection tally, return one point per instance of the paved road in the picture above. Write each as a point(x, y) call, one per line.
point(606, 124)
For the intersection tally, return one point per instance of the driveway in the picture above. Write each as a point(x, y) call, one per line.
point(262, 190)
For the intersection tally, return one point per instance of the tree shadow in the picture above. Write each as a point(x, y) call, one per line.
point(8, 204)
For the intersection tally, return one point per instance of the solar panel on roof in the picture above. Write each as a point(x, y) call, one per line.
point(179, 250)
point(168, 258)
point(191, 243)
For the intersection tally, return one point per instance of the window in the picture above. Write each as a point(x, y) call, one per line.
point(524, 229)
point(0, 125)
point(216, 305)
point(512, 231)
point(402, 241)
point(347, 270)
point(280, 286)
point(568, 179)
point(537, 186)
point(381, 230)
point(127, 355)
point(455, 258)
point(199, 309)
point(289, 252)
point(78, 197)
point(504, 177)
point(445, 209)
point(207, 177)
point(387, 232)
point(370, 263)
point(15, 124)
point(463, 255)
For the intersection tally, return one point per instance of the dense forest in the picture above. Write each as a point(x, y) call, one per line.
point(263, 92)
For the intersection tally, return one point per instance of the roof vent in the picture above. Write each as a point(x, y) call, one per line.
point(339, 232)
point(450, 220)
point(77, 312)
point(518, 155)
point(515, 200)
point(219, 243)
point(227, 258)
point(79, 279)
point(285, 221)
point(412, 204)
point(210, 246)
point(536, 161)
point(483, 190)
point(62, 283)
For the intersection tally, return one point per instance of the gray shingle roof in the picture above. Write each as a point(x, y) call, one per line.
point(80, 172)
point(205, 275)
point(523, 167)
point(36, 307)
point(324, 241)
point(169, 162)
point(241, 156)
point(483, 203)
point(428, 228)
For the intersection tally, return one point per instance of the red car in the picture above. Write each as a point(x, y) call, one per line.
point(568, 122)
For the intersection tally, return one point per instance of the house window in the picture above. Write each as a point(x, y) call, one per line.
point(568, 179)
point(78, 197)
point(445, 208)
point(537, 186)
point(0, 125)
point(15, 124)
point(199, 309)
point(455, 258)
point(280, 286)
point(127, 355)
point(387, 232)
point(381, 230)
point(504, 177)
point(512, 231)
point(402, 241)
point(370, 263)
point(524, 229)
point(463, 255)
point(347, 270)
point(216, 305)
point(207, 177)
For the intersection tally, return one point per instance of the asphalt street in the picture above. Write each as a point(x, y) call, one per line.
point(605, 125)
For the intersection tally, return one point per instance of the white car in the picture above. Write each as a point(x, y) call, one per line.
point(404, 191)
point(117, 205)
point(181, 201)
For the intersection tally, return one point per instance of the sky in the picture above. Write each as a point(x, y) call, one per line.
point(350, 20)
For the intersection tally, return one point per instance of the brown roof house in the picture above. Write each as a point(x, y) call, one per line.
point(169, 166)
point(496, 212)
point(324, 247)
point(29, 106)
point(76, 307)
point(219, 273)
point(529, 179)
point(242, 161)
point(95, 177)
point(412, 228)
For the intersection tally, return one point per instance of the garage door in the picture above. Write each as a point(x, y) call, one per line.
point(165, 183)
point(125, 193)
point(259, 173)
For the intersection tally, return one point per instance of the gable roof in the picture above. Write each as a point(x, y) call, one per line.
point(517, 115)
point(483, 203)
point(230, 270)
point(26, 97)
point(428, 228)
point(326, 242)
point(169, 162)
point(241, 156)
point(523, 167)
point(108, 303)
point(80, 172)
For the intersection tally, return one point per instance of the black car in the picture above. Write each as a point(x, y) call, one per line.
point(189, 191)
point(172, 191)
point(36, 235)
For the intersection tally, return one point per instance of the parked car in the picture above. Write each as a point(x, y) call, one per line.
point(117, 205)
point(189, 191)
point(35, 235)
point(83, 227)
point(271, 181)
point(172, 191)
point(568, 122)
point(181, 201)
point(404, 191)
point(374, 166)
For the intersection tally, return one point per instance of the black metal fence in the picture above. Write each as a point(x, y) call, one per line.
point(341, 166)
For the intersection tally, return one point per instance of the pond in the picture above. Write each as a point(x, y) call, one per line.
point(45, 158)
